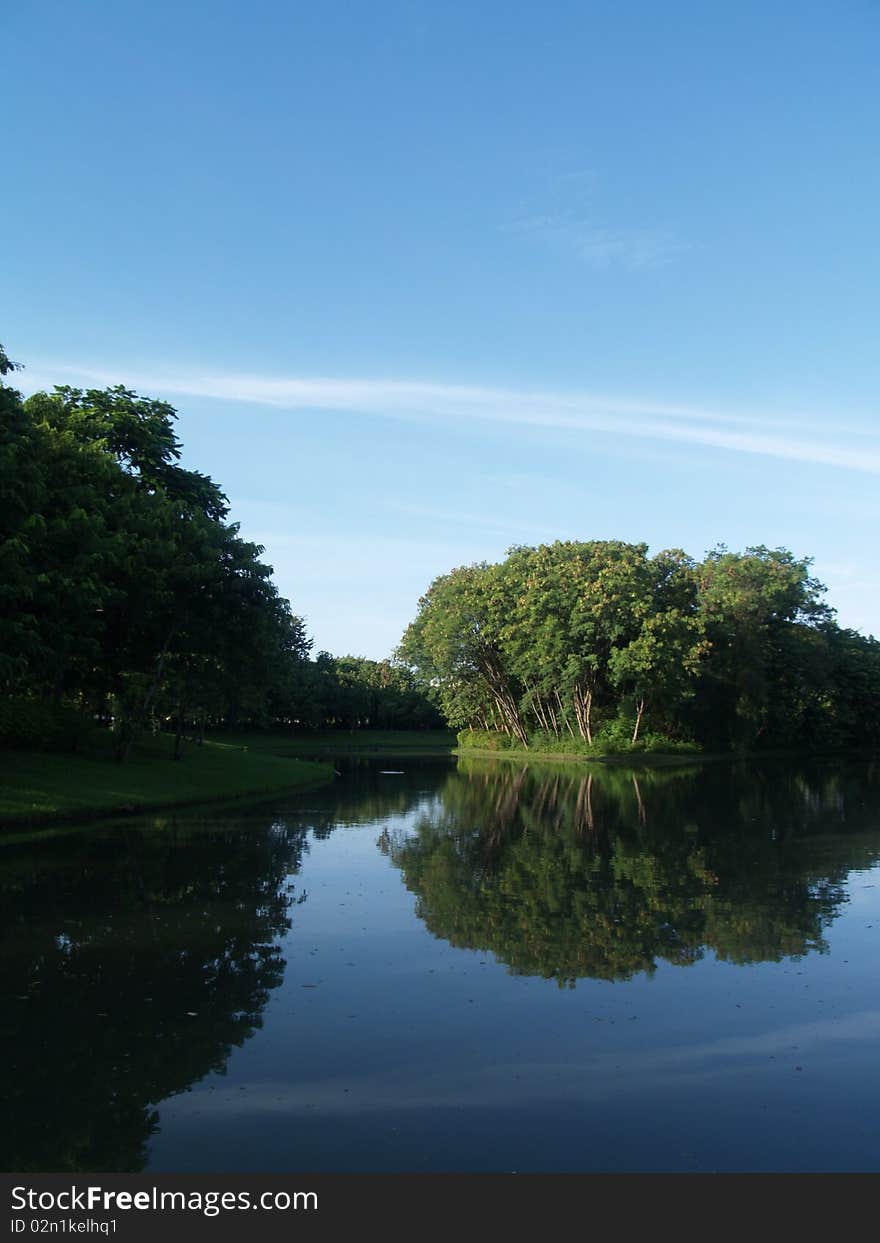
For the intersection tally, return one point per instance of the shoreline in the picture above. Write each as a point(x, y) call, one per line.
point(42, 789)
point(662, 759)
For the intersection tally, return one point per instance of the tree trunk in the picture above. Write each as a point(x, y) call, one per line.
point(564, 713)
point(582, 698)
point(537, 707)
point(178, 735)
point(641, 709)
point(507, 706)
point(130, 728)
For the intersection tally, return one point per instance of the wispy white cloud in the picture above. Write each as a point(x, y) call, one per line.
point(572, 222)
point(789, 440)
point(637, 250)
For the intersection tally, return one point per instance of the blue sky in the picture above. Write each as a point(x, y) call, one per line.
point(425, 280)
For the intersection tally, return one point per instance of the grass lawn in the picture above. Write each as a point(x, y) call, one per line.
point(341, 741)
point(40, 785)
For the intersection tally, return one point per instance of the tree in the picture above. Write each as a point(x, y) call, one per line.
point(131, 595)
point(455, 644)
point(749, 602)
point(575, 603)
point(659, 665)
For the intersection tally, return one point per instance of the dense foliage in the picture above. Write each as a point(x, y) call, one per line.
point(598, 646)
point(352, 692)
point(128, 598)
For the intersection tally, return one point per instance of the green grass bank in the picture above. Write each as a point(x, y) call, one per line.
point(329, 742)
point(41, 786)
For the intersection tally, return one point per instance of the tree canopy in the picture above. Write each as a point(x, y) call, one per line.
point(599, 643)
point(128, 592)
point(129, 597)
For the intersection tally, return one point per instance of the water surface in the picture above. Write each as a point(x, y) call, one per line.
point(455, 965)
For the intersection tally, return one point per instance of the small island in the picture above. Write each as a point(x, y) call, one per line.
point(596, 648)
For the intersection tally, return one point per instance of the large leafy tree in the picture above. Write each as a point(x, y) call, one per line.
point(575, 603)
point(753, 605)
point(22, 494)
point(659, 665)
point(128, 593)
point(457, 644)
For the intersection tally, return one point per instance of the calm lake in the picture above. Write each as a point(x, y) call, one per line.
point(455, 965)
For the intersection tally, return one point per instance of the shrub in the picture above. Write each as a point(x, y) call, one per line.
point(614, 737)
point(485, 740)
point(34, 725)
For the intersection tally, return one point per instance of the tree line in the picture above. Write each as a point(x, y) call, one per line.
point(599, 646)
point(129, 598)
point(352, 692)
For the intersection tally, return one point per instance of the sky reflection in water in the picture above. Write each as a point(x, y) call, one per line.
point(471, 965)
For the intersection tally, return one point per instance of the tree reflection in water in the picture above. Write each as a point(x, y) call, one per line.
point(133, 962)
point(563, 873)
point(135, 957)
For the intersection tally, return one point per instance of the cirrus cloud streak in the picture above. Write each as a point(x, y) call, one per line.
point(768, 436)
